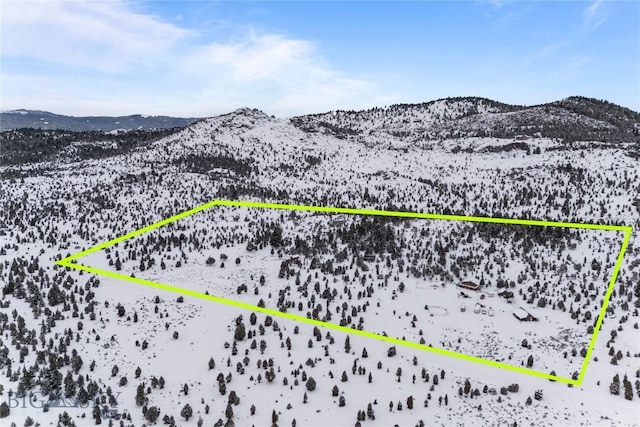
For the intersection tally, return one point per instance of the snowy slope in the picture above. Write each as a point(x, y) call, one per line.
point(65, 204)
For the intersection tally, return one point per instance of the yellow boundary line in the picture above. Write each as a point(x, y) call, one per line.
point(69, 263)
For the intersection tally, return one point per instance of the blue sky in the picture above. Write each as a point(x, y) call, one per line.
point(201, 58)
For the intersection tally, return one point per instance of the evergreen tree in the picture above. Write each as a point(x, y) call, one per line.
point(228, 412)
point(628, 389)
point(55, 295)
point(614, 387)
point(240, 332)
point(4, 410)
point(140, 395)
point(69, 385)
point(186, 412)
point(467, 386)
point(276, 237)
point(51, 382)
point(96, 415)
point(152, 414)
point(311, 384)
point(76, 363)
point(370, 412)
point(530, 361)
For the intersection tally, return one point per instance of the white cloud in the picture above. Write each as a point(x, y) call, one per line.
point(594, 15)
point(103, 36)
point(283, 75)
point(106, 58)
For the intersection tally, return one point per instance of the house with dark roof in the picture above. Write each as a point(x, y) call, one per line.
point(468, 284)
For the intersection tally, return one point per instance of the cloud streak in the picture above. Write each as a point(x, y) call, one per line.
point(594, 15)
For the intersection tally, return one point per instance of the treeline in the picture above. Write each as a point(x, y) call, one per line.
point(22, 146)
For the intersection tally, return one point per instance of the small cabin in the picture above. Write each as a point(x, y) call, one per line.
point(524, 316)
point(468, 284)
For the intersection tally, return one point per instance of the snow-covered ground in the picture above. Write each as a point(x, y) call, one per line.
point(348, 265)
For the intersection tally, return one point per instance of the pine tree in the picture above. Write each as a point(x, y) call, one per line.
point(347, 345)
point(4, 410)
point(240, 332)
point(186, 412)
point(628, 389)
point(96, 415)
point(370, 413)
point(530, 361)
point(52, 381)
point(614, 388)
point(69, 385)
point(76, 363)
point(311, 384)
point(152, 414)
point(140, 395)
point(55, 295)
point(228, 412)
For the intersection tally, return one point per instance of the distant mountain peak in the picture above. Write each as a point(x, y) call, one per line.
point(250, 112)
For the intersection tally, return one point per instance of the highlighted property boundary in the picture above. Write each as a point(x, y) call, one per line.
point(70, 263)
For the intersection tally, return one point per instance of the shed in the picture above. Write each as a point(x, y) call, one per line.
point(524, 316)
